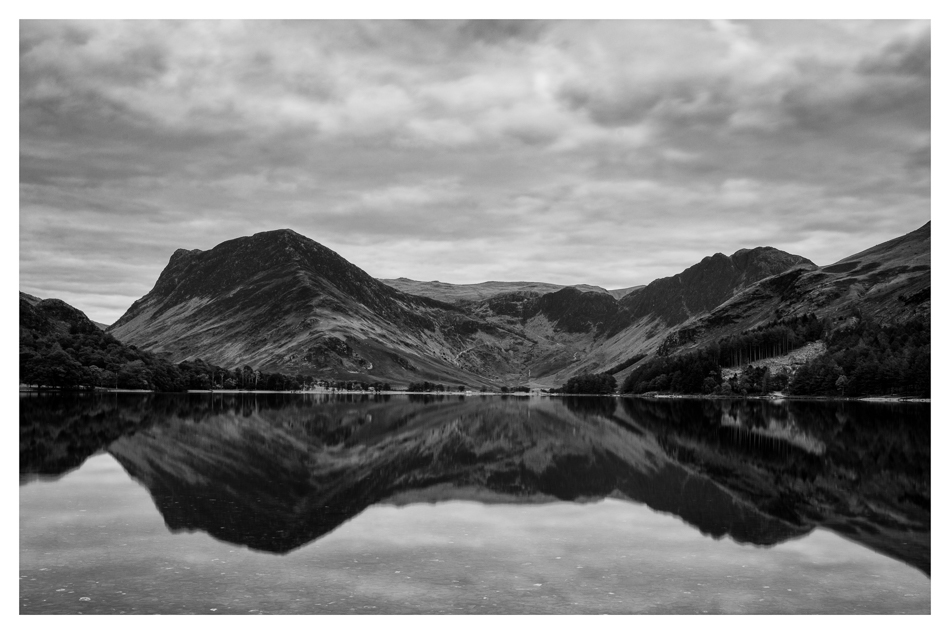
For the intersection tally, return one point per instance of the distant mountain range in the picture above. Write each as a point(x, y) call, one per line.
point(450, 293)
point(278, 301)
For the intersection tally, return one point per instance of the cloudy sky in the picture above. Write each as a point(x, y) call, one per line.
point(607, 153)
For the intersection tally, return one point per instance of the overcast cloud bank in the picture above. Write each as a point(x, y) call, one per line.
point(607, 153)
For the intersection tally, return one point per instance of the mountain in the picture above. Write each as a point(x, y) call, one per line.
point(888, 283)
point(280, 301)
point(706, 285)
point(453, 293)
point(595, 332)
point(32, 300)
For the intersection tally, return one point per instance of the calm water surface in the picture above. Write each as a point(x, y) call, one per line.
point(297, 504)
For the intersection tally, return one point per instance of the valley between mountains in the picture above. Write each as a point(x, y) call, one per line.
point(278, 301)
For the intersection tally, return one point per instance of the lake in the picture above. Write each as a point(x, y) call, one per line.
point(284, 503)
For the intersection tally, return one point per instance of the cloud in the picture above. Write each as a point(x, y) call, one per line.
point(920, 158)
point(905, 55)
point(604, 152)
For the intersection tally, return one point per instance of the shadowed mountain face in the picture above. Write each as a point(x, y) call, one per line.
point(277, 472)
point(279, 301)
point(703, 286)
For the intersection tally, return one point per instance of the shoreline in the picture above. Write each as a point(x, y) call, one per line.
point(711, 397)
point(783, 397)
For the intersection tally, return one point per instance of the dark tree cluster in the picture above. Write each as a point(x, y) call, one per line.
point(201, 375)
point(691, 373)
point(771, 340)
point(355, 386)
point(865, 358)
point(753, 380)
point(603, 383)
point(426, 386)
point(85, 357)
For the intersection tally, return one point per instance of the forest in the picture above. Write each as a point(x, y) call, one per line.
point(604, 383)
point(426, 386)
point(863, 358)
point(85, 357)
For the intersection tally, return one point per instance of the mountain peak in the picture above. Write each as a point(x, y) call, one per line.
point(280, 258)
point(181, 254)
point(33, 300)
point(710, 282)
point(274, 298)
point(280, 233)
point(755, 250)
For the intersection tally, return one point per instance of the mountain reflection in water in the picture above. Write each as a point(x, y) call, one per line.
point(275, 472)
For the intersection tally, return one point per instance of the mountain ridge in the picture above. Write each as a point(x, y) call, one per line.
point(454, 293)
point(280, 300)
